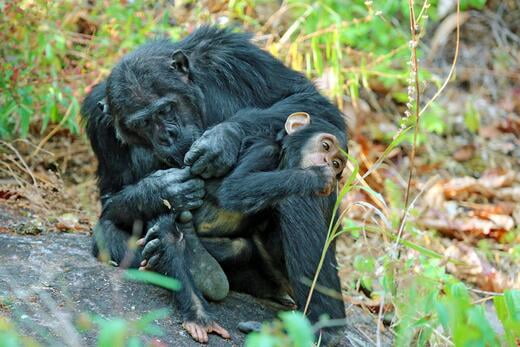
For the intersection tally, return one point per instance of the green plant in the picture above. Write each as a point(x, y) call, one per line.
point(117, 332)
point(292, 329)
point(54, 49)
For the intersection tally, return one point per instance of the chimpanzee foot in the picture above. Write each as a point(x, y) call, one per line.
point(199, 331)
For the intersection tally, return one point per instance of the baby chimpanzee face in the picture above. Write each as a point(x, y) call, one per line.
point(323, 149)
point(318, 145)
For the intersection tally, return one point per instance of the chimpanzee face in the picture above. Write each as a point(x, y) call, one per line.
point(323, 149)
point(318, 143)
point(154, 104)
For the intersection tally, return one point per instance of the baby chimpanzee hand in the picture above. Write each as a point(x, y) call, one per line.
point(326, 180)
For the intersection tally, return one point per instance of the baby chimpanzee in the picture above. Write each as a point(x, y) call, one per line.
point(243, 222)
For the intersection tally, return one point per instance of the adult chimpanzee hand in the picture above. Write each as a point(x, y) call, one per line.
point(177, 186)
point(216, 151)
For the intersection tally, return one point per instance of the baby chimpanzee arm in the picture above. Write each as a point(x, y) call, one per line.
point(257, 183)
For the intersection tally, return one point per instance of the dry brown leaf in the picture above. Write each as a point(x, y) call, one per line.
point(461, 187)
point(509, 193)
point(463, 227)
point(497, 178)
point(464, 153)
point(476, 269)
point(434, 197)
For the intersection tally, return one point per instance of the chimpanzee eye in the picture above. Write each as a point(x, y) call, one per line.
point(336, 164)
point(146, 122)
point(325, 146)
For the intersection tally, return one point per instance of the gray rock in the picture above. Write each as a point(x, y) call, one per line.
point(48, 282)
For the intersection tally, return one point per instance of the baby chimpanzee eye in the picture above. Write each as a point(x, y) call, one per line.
point(325, 146)
point(336, 164)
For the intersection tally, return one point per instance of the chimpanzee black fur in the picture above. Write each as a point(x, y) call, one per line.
point(164, 95)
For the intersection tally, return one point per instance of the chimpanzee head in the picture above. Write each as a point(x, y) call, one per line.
point(313, 143)
point(153, 102)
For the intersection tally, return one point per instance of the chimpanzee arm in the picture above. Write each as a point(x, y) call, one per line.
point(213, 154)
point(303, 225)
point(258, 190)
point(145, 199)
point(256, 183)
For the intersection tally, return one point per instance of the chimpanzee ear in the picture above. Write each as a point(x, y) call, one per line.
point(103, 105)
point(296, 121)
point(180, 62)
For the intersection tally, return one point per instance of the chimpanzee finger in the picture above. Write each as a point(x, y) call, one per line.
point(215, 328)
point(194, 204)
point(193, 154)
point(202, 163)
point(193, 185)
point(187, 228)
point(175, 176)
point(208, 172)
point(221, 171)
point(195, 195)
point(151, 248)
point(153, 263)
point(152, 233)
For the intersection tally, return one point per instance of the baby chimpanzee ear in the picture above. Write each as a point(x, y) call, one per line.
point(296, 121)
point(180, 63)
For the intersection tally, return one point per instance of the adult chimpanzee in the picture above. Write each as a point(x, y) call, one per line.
point(164, 95)
point(303, 161)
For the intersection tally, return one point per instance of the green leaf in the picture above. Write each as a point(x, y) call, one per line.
point(298, 328)
point(152, 278)
point(432, 119)
point(364, 263)
point(113, 333)
point(261, 340)
point(472, 118)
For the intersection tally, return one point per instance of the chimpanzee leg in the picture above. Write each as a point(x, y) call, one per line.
point(250, 269)
point(113, 243)
point(166, 251)
point(206, 272)
point(303, 226)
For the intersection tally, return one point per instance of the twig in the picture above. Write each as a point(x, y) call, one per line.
point(418, 112)
point(26, 167)
point(52, 132)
